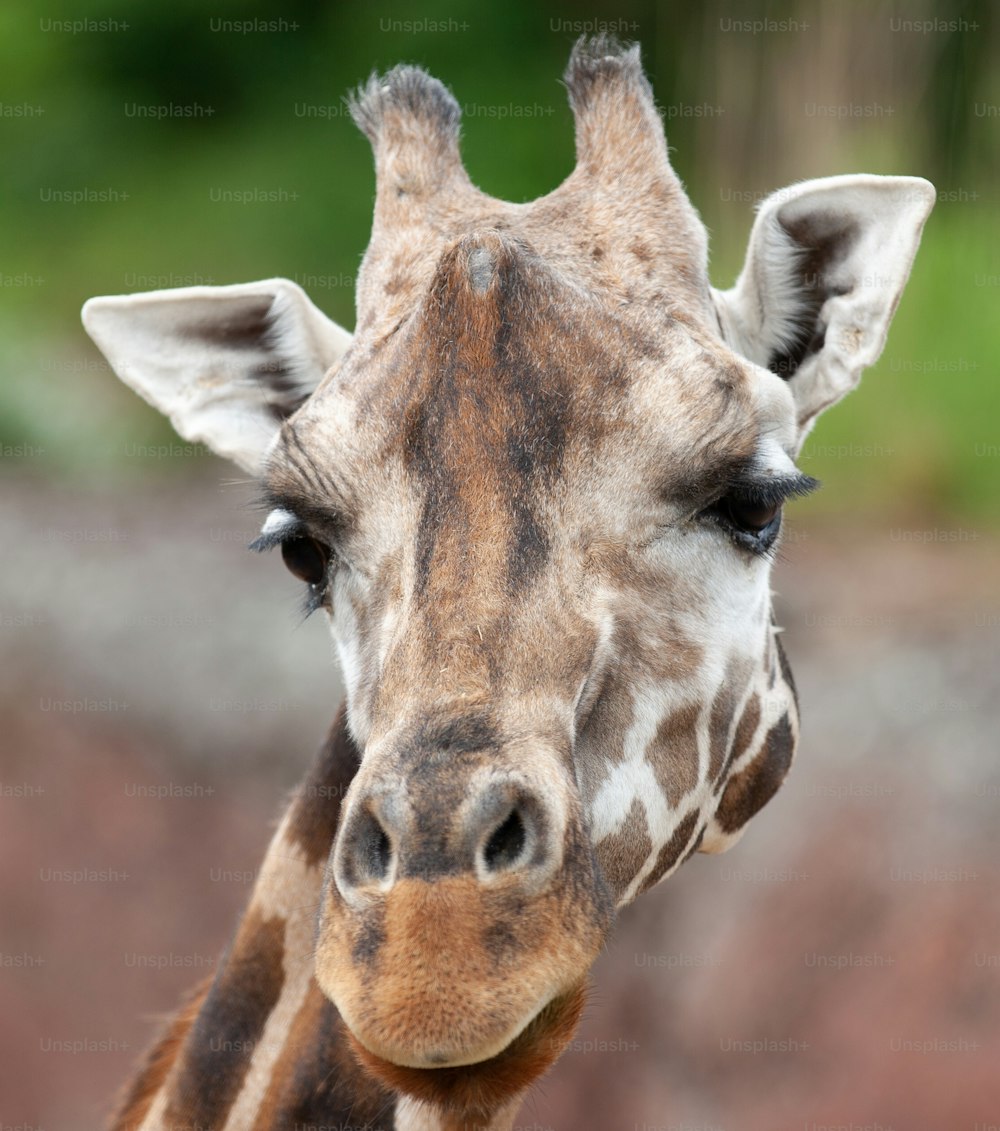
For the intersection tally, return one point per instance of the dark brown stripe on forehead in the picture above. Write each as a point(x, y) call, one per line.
point(312, 822)
point(220, 1046)
point(317, 1083)
point(488, 419)
point(528, 547)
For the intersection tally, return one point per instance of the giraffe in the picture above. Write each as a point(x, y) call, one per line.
point(538, 494)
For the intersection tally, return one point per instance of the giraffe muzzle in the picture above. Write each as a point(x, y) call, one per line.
point(454, 918)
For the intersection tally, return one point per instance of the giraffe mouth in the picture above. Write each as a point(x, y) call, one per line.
point(481, 1088)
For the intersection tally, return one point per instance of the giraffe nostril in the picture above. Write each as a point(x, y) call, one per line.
point(505, 846)
point(372, 850)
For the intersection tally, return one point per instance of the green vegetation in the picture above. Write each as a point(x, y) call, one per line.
point(167, 144)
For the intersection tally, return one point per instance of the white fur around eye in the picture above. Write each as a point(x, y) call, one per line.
point(278, 522)
point(772, 460)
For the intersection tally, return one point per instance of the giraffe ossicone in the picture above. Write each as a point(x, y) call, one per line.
point(537, 493)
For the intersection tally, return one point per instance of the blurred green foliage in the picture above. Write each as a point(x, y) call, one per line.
point(125, 124)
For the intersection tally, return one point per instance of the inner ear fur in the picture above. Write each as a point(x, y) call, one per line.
point(826, 265)
point(225, 364)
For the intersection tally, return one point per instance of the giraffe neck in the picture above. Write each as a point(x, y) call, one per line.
point(259, 1047)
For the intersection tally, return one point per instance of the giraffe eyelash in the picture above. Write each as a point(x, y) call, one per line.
point(772, 492)
point(314, 599)
point(758, 532)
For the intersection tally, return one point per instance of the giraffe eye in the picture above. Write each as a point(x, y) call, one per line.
point(306, 558)
point(750, 511)
point(751, 521)
point(749, 516)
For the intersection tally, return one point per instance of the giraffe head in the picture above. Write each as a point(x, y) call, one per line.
point(538, 494)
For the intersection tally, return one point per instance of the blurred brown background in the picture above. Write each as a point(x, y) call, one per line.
point(840, 968)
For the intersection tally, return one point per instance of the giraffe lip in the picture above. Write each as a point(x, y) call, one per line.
point(437, 1060)
point(485, 1085)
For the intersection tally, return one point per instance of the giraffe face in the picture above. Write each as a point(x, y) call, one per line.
point(549, 533)
point(538, 495)
point(547, 540)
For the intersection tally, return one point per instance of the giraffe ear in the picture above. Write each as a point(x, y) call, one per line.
point(226, 364)
point(825, 268)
